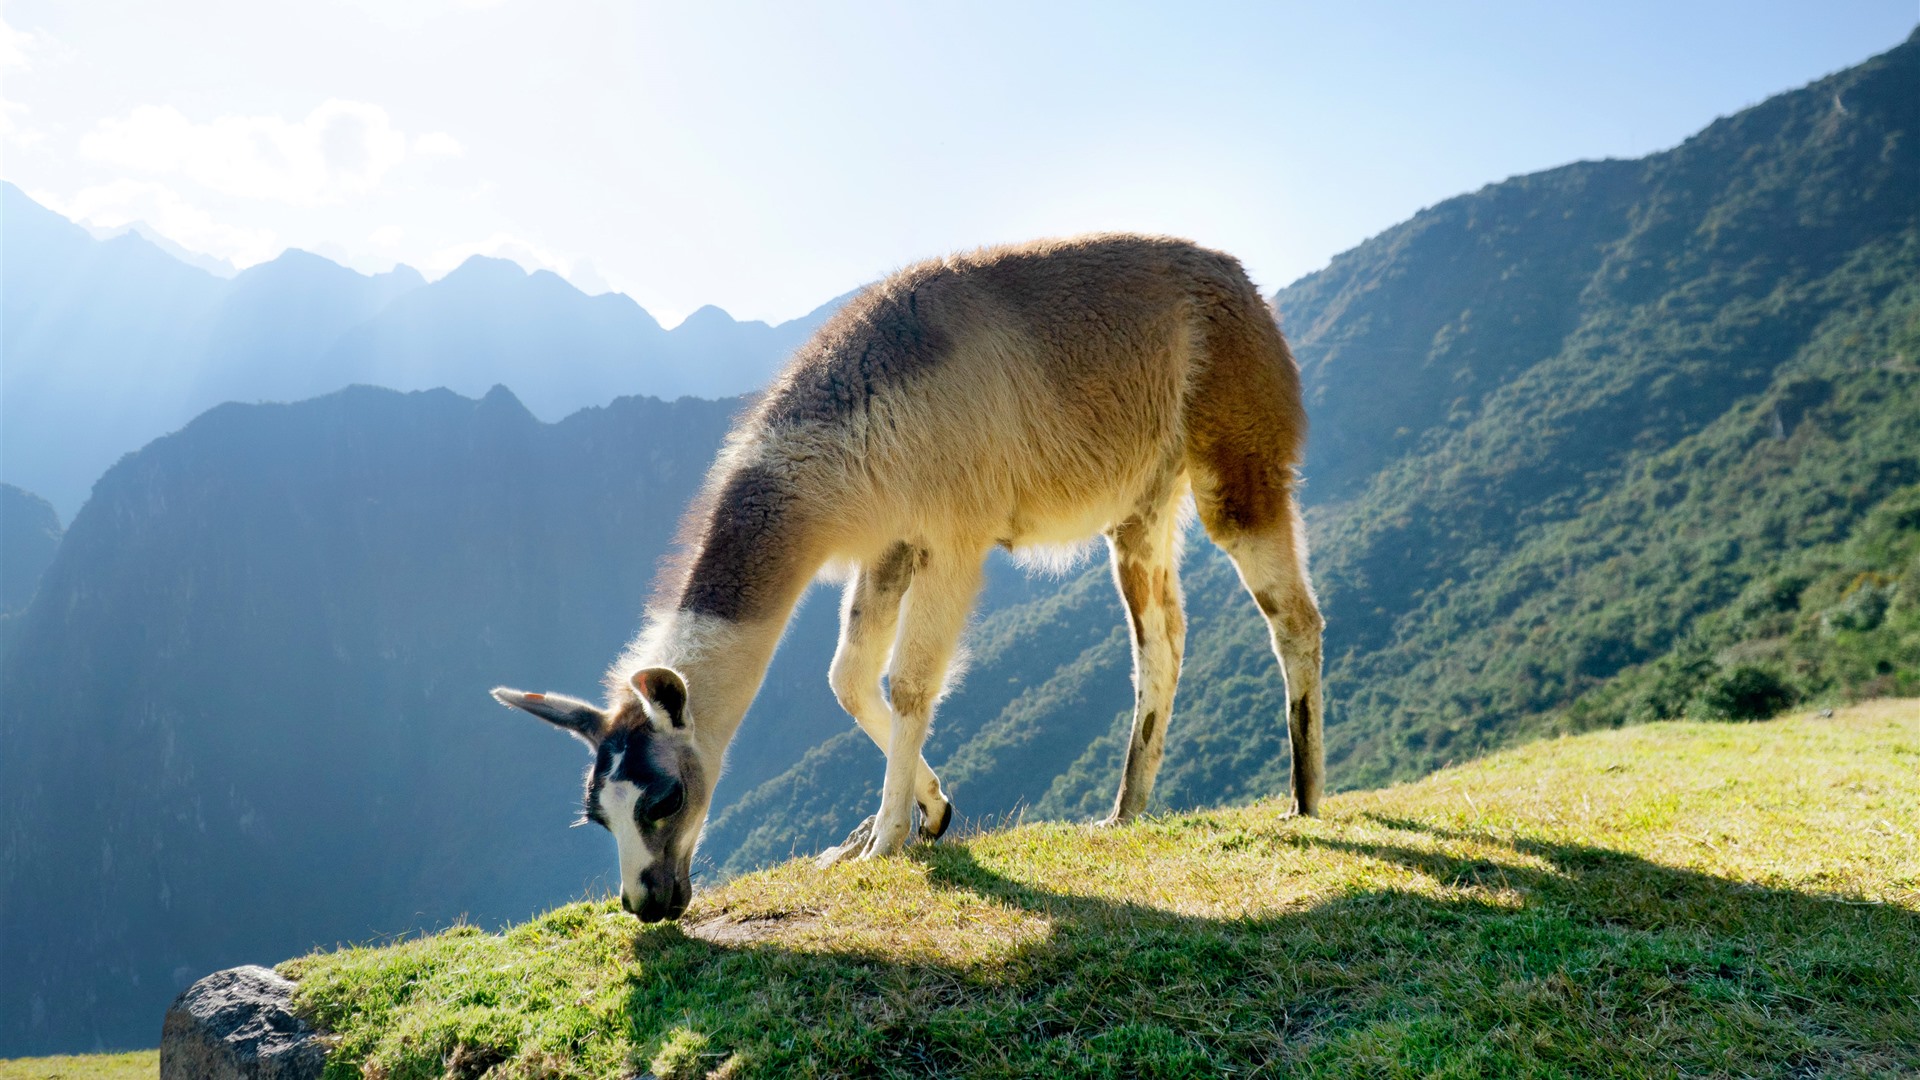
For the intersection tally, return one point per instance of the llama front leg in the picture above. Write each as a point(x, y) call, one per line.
point(1146, 567)
point(932, 617)
point(869, 620)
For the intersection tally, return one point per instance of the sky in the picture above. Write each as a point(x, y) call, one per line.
point(766, 157)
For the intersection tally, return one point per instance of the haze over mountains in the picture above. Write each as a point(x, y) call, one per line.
point(111, 343)
point(1607, 443)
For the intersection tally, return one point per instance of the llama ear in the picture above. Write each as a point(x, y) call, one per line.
point(664, 695)
point(583, 721)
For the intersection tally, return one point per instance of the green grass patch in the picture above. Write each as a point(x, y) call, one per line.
point(137, 1065)
point(1692, 898)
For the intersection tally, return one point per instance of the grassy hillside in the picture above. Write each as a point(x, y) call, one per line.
point(138, 1065)
point(1735, 899)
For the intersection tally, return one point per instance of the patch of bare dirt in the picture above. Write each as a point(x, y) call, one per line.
point(728, 929)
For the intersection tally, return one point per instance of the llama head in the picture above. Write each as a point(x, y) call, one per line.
point(646, 785)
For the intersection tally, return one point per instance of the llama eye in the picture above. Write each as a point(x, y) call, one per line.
point(665, 806)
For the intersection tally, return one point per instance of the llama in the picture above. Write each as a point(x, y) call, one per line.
point(1022, 396)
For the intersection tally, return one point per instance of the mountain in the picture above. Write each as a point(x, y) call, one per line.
point(29, 535)
point(94, 336)
point(1733, 395)
point(111, 343)
point(492, 322)
point(217, 267)
point(1616, 441)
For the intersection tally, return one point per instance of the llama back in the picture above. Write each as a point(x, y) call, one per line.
point(1020, 393)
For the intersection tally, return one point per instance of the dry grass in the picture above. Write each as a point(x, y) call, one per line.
point(1667, 899)
point(138, 1065)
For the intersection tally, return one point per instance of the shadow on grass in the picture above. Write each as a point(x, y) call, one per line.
point(1535, 957)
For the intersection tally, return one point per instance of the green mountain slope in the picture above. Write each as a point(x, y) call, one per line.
point(1562, 426)
point(1781, 504)
point(1748, 341)
point(1672, 899)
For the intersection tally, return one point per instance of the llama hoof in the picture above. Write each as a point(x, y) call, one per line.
point(838, 854)
point(1113, 821)
point(934, 825)
point(855, 846)
point(879, 849)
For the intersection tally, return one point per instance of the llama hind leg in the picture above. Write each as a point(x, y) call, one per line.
point(869, 616)
point(1270, 551)
point(1146, 567)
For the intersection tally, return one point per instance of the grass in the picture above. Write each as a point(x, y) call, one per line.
point(1680, 898)
point(138, 1065)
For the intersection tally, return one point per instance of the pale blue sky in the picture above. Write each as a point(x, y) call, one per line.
point(766, 156)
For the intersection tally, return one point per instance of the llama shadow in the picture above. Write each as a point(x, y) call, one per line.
point(1534, 956)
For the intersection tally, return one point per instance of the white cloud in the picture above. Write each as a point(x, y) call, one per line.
point(12, 129)
point(24, 50)
point(123, 202)
point(21, 51)
point(437, 144)
point(340, 149)
point(16, 49)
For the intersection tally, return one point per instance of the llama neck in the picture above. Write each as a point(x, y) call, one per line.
point(752, 560)
point(723, 663)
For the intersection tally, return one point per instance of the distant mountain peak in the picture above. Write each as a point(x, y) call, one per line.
point(486, 268)
point(298, 255)
point(212, 264)
point(14, 201)
point(708, 315)
point(139, 247)
point(401, 272)
point(294, 263)
point(500, 400)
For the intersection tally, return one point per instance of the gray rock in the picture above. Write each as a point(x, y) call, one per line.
point(238, 1024)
